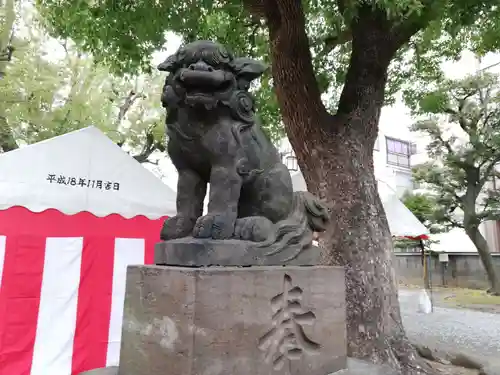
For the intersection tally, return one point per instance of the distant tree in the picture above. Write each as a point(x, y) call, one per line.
point(44, 96)
point(462, 120)
point(7, 20)
point(424, 207)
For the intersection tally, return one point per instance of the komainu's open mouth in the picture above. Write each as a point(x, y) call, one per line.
point(204, 81)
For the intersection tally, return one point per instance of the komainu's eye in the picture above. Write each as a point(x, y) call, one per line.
point(211, 58)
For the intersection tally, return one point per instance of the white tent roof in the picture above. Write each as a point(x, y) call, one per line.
point(401, 220)
point(82, 171)
point(454, 241)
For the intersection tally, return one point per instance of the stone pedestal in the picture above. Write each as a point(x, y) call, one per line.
point(233, 321)
point(208, 252)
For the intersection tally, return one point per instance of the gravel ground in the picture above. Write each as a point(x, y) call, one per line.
point(471, 332)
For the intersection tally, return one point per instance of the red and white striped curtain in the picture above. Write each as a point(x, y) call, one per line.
point(61, 295)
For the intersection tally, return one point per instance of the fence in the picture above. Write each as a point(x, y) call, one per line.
point(462, 270)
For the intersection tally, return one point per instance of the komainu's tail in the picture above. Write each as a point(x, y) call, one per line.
point(294, 233)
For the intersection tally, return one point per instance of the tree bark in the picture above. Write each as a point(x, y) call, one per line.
point(471, 224)
point(335, 153)
point(486, 258)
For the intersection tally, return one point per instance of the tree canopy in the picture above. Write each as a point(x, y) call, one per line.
point(124, 35)
point(461, 118)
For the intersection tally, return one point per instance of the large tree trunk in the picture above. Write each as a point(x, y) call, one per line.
point(335, 153)
point(486, 258)
point(359, 239)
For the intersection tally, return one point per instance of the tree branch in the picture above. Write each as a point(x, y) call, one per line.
point(149, 147)
point(485, 216)
point(417, 21)
point(452, 191)
point(375, 41)
point(291, 58)
point(331, 42)
point(129, 100)
point(434, 132)
point(458, 114)
point(444, 143)
point(7, 140)
point(488, 171)
point(374, 44)
point(454, 223)
point(260, 8)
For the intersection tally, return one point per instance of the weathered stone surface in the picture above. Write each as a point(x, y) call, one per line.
point(112, 370)
point(214, 321)
point(214, 137)
point(191, 251)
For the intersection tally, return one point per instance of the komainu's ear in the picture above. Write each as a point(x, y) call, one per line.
point(169, 65)
point(248, 69)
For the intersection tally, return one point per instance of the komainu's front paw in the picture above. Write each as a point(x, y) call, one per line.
point(219, 227)
point(177, 227)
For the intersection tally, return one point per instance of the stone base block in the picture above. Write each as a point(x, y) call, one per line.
point(354, 367)
point(233, 321)
point(190, 251)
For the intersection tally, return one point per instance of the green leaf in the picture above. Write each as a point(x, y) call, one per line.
point(434, 102)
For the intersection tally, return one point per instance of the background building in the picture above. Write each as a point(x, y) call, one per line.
point(391, 156)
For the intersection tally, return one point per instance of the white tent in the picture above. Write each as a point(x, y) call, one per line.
point(454, 241)
point(402, 222)
point(82, 171)
point(75, 212)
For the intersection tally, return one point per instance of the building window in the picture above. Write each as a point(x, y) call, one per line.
point(398, 152)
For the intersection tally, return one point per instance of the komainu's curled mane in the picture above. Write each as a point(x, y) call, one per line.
point(215, 138)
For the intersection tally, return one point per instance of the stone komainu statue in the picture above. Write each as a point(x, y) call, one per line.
point(214, 137)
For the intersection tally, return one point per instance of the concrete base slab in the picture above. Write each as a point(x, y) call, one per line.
point(233, 320)
point(207, 252)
